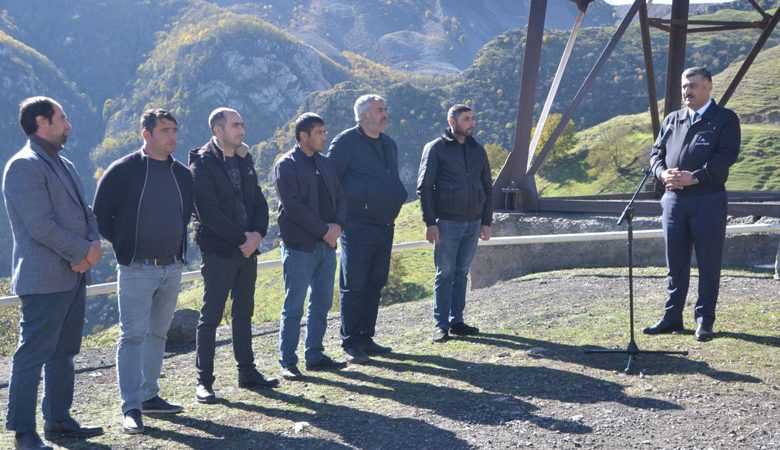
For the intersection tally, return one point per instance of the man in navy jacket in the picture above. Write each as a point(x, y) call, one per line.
point(691, 158)
point(366, 161)
point(312, 213)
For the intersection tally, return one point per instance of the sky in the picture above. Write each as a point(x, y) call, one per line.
point(623, 2)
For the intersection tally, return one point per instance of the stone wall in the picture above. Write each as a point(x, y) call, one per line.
point(493, 264)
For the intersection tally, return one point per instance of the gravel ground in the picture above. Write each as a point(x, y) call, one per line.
point(523, 382)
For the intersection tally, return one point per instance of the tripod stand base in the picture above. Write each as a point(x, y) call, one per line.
point(633, 350)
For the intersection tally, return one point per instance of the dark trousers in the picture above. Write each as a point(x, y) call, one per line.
point(699, 223)
point(365, 264)
point(222, 276)
point(49, 338)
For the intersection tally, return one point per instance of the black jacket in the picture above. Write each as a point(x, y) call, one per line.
point(707, 148)
point(452, 186)
point(300, 227)
point(216, 213)
point(374, 189)
point(117, 201)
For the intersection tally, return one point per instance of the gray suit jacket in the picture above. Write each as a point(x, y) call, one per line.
point(52, 224)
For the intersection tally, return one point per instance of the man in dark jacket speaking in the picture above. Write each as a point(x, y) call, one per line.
point(231, 218)
point(366, 162)
point(454, 187)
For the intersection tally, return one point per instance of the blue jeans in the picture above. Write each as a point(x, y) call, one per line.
point(147, 301)
point(365, 264)
point(452, 255)
point(306, 272)
point(49, 338)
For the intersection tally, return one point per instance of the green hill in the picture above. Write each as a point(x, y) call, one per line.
point(620, 146)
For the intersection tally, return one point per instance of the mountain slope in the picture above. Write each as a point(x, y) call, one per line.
point(222, 59)
point(421, 36)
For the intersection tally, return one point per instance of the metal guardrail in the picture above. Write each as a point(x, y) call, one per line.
point(110, 288)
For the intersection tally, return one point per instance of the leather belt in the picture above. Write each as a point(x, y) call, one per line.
point(159, 262)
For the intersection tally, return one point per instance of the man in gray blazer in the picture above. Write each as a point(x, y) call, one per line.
point(56, 241)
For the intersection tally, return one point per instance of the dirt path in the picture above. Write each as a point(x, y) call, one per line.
point(524, 382)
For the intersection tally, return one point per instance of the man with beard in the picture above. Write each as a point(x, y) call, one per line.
point(366, 161)
point(143, 205)
point(56, 241)
point(454, 186)
point(231, 218)
point(691, 158)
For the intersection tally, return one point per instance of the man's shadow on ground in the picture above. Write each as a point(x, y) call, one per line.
point(651, 364)
point(355, 427)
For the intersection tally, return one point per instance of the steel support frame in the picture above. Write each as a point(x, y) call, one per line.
point(514, 170)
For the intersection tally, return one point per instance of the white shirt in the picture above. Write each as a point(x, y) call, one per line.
point(700, 111)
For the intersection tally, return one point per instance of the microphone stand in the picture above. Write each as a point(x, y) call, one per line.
point(633, 350)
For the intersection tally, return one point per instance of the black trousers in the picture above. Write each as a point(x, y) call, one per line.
point(235, 276)
point(365, 264)
point(694, 223)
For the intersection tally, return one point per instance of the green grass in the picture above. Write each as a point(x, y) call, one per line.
point(413, 271)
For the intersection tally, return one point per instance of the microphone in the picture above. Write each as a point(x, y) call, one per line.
point(665, 136)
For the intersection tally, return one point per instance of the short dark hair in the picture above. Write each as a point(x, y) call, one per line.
point(150, 118)
point(306, 122)
point(693, 71)
point(32, 107)
point(457, 110)
point(217, 117)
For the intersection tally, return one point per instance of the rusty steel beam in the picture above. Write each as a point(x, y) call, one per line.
point(676, 58)
point(759, 9)
point(647, 51)
point(514, 170)
point(585, 87)
point(768, 29)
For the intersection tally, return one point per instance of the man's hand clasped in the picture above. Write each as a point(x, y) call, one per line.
point(332, 236)
point(676, 179)
point(94, 255)
point(252, 243)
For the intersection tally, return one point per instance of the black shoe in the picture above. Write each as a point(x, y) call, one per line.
point(703, 333)
point(326, 363)
point(205, 394)
point(354, 355)
point(157, 405)
point(291, 373)
point(664, 326)
point(440, 335)
point(461, 329)
point(69, 428)
point(255, 380)
point(370, 347)
point(132, 423)
point(30, 441)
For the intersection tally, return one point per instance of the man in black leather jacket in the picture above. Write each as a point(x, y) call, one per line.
point(454, 186)
point(231, 219)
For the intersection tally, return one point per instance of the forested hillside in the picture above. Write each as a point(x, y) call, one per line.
point(107, 61)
